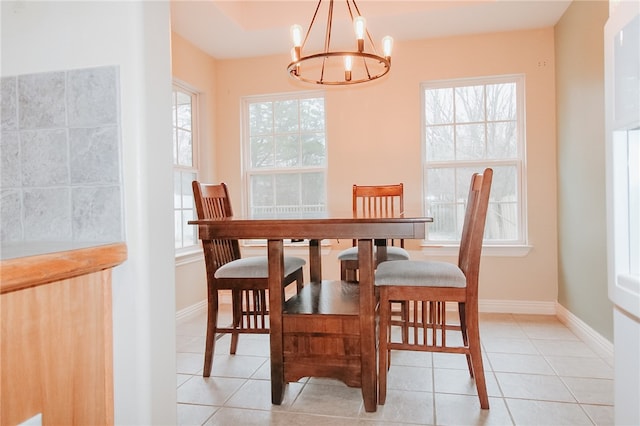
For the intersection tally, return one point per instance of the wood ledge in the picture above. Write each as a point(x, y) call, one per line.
point(32, 271)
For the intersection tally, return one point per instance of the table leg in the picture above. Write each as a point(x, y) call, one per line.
point(315, 261)
point(381, 251)
point(367, 325)
point(276, 298)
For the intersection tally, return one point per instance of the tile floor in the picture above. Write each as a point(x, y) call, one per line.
point(538, 373)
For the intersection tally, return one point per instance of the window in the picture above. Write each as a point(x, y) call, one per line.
point(285, 155)
point(469, 125)
point(184, 165)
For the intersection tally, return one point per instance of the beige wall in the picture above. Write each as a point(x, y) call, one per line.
point(581, 178)
point(374, 137)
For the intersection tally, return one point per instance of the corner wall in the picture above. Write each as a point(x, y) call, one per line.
point(582, 256)
point(134, 36)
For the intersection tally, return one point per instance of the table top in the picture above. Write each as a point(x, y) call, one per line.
point(241, 228)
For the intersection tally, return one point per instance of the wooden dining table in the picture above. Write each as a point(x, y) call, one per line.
point(328, 329)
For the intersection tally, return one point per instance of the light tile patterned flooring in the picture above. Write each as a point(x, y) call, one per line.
point(538, 373)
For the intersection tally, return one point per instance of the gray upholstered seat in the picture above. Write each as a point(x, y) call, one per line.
point(256, 267)
point(393, 253)
point(420, 273)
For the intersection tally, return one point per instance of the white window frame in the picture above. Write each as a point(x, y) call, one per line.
point(515, 247)
point(248, 171)
point(194, 168)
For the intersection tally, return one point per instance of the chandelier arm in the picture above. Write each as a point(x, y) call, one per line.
point(349, 9)
point(373, 45)
point(311, 24)
point(327, 34)
point(366, 67)
point(324, 61)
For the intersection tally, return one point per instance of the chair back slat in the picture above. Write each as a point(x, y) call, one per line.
point(378, 201)
point(473, 228)
point(213, 202)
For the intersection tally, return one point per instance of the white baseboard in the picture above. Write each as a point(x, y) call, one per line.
point(517, 307)
point(595, 340)
point(191, 311)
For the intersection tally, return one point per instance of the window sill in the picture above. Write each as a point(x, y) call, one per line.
point(497, 251)
point(188, 255)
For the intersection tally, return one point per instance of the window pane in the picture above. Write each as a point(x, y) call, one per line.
point(312, 114)
point(174, 111)
point(287, 191)
point(502, 215)
point(188, 231)
point(502, 140)
point(185, 149)
point(439, 143)
point(469, 104)
point(262, 152)
point(441, 203)
point(313, 196)
point(501, 101)
point(287, 150)
point(177, 190)
point(448, 190)
point(439, 106)
point(262, 190)
point(184, 115)
point(177, 227)
point(260, 118)
point(175, 146)
point(187, 190)
point(314, 151)
point(470, 142)
point(286, 116)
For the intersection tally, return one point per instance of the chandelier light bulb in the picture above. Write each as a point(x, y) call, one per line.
point(296, 35)
point(360, 28)
point(348, 66)
point(387, 46)
point(348, 63)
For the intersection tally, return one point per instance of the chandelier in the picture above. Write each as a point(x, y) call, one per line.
point(339, 67)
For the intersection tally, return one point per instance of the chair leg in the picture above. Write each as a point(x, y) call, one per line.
point(343, 271)
point(212, 321)
point(236, 302)
point(463, 330)
point(299, 280)
point(383, 351)
point(476, 358)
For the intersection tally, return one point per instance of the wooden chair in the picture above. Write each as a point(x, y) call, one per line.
point(427, 286)
point(245, 277)
point(374, 201)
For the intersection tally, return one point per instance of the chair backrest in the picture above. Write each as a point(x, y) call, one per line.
point(473, 228)
point(213, 202)
point(378, 201)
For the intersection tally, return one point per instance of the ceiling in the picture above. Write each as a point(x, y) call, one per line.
point(236, 29)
